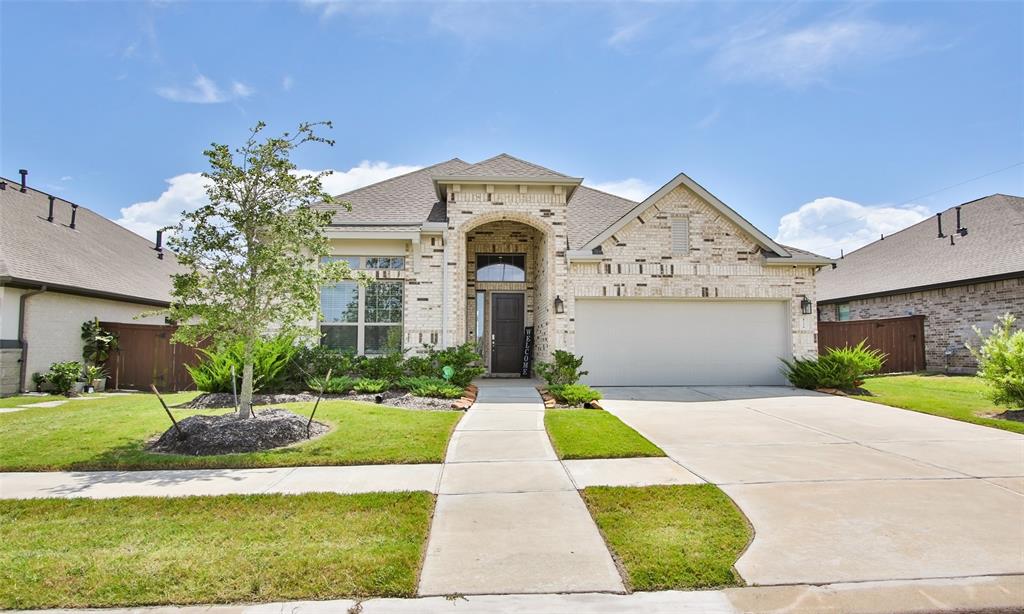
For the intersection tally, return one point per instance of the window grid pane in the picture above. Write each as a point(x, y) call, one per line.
point(380, 339)
point(340, 302)
point(384, 302)
point(385, 262)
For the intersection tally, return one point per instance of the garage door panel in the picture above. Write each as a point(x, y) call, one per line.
point(630, 342)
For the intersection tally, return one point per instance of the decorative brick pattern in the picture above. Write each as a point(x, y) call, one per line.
point(950, 314)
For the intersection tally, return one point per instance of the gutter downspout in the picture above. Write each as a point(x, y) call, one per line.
point(22, 303)
point(444, 294)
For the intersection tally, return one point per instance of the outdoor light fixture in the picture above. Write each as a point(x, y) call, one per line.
point(805, 306)
point(559, 305)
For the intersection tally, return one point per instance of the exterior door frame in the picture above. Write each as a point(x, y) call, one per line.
point(489, 326)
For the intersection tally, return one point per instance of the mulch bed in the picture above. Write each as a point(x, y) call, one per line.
point(269, 428)
point(392, 398)
point(1017, 415)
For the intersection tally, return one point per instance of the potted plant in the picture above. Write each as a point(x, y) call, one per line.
point(38, 379)
point(64, 377)
point(95, 378)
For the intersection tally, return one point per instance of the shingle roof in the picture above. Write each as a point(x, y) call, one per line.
point(914, 257)
point(406, 199)
point(591, 211)
point(96, 257)
point(504, 165)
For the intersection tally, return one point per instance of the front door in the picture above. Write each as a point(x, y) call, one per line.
point(507, 325)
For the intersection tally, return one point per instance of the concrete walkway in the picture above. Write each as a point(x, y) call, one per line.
point(508, 516)
point(988, 594)
point(842, 490)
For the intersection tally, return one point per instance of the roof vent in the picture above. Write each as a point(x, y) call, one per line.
point(960, 230)
point(938, 216)
point(159, 244)
point(49, 216)
point(74, 211)
point(3, 185)
point(24, 174)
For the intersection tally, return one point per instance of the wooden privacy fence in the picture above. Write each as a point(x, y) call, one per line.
point(902, 339)
point(145, 356)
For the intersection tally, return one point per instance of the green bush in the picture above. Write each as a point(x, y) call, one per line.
point(315, 361)
point(339, 384)
point(63, 376)
point(371, 386)
point(1001, 362)
point(97, 343)
point(842, 368)
point(564, 370)
point(421, 366)
point(386, 367)
point(463, 359)
point(574, 394)
point(38, 379)
point(213, 372)
point(431, 387)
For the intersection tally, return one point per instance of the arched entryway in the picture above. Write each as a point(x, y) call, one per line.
point(506, 279)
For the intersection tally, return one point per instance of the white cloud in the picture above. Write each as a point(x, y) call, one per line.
point(805, 55)
point(184, 192)
point(632, 188)
point(829, 224)
point(187, 192)
point(287, 82)
point(625, 34)
point(205, 91)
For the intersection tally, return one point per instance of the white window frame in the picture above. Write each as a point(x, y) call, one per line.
point(360, 324)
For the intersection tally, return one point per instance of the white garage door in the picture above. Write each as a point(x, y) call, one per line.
point(636, 342)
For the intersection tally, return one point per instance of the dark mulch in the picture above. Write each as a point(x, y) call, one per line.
point(393, 398)
point(229, 434)
point(1017, 415)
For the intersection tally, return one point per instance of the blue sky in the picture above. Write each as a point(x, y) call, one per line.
point(824, 123)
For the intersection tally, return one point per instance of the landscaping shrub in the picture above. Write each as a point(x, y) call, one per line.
point(387, 367)
point(574, 394)
point(421, 366)
point(271, 356)
point(371, 386)
point(431, 387)
point(1001, 362)
point(463, 359)
point(564, 370)
point(63, 376)
point(316, 361)
point(338, 384)
point(842, 368)
point(38, 379)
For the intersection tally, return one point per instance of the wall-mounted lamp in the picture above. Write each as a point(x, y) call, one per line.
point(805, 306)
point(559, 305)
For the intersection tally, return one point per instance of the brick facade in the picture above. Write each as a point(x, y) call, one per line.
point(950, 314)
point(722, 263)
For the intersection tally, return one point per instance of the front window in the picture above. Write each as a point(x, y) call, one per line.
point(363, 319)
point(501, 267)
point(843, 312)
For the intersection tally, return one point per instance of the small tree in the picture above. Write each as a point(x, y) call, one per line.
point(253, 252)
point(97, 344)
point(1001, 362)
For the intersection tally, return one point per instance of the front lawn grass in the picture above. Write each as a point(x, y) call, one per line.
point(28, 399)
point(959, 397)
point(77, 553)
point(671, 537)
point(594, 433)
point(111, 434)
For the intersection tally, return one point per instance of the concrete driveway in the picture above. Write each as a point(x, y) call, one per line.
point(840, 490)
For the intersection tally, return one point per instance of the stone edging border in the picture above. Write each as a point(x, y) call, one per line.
point(467, 399)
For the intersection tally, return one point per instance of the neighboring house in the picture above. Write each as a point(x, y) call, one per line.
point(60, 265)
point(678, 289)
point(956, 281)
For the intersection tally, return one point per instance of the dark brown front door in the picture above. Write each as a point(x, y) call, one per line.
point(507, 322)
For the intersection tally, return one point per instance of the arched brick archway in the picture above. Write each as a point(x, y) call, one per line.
point(504, 232)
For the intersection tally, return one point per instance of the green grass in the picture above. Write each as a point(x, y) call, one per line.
point(671, 537)
point(27, 400)
point(111, 434)
point(592, 433)
point(957, 397)
point(76, 553)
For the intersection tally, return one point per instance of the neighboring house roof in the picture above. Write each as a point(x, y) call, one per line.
point(915, 258)
point(96, 258)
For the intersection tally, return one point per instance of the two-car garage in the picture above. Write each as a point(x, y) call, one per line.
point(669, 342)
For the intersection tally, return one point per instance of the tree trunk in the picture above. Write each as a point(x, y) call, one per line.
point(245, 398)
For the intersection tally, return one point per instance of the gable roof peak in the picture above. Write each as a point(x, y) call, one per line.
point(506, 166)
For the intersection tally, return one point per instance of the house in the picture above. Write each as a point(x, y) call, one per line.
point(523, 260)
point(60, 265)
point(959, 269)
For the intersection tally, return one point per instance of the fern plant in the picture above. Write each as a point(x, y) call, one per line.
point(270, 357)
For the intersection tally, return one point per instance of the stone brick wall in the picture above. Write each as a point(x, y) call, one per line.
point(9, 370)
point(721, 263)
point(950, 314)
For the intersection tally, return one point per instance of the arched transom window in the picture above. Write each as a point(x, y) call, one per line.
point(501, 267)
